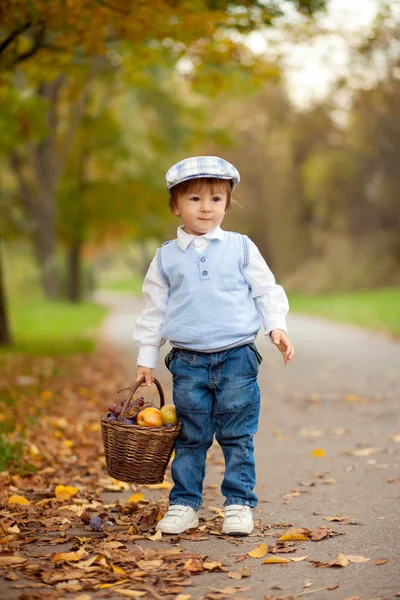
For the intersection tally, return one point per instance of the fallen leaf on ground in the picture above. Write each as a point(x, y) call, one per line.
point(69, 556)
point(131, 593)
point(318, 453)
point(340, 561)
point(214, 566)
point(258, 552)
point(136, 497)
point(357, 559)
point(295, 533)
point(381, 561)
point(319, 533)
point(165, 485)
point(65, 492)
point(244, 572)
point(157, 536)
point(21, 500)
point(194, 565)
point(275, 560)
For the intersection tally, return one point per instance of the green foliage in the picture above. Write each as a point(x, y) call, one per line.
point(378, 310)
point(22, 116)
point(55, 328)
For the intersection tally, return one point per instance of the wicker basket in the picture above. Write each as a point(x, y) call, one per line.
point(137, 454)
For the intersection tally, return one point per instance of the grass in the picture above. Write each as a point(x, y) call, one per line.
point(132, 285)
point(42, 327)
point(373, 309)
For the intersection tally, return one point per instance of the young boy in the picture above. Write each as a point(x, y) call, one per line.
point(207, 292)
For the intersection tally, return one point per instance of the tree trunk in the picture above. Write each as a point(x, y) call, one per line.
point(5, 334)
point(74, 280)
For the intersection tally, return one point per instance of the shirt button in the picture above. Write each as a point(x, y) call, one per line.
point(205, 272)
point(203, 259)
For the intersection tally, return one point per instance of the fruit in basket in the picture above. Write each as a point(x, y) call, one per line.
point(132, 412)
point(112, 408)
point(149, 417)
point(128, 421)
point(96, 523)
point(139, 401)
point(169, 414)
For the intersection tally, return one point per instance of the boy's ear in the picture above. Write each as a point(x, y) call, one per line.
point(175, 211)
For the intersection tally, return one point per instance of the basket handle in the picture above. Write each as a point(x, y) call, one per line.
point(133, 390)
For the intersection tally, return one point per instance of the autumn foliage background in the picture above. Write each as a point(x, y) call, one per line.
point(98, 100)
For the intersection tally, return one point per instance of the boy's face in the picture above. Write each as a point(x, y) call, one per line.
point(202, 209)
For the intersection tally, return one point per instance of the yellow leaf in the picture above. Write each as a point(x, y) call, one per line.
point(136, 497)
point(8, 561)
point(103, 586)
point(18, 500)
point(353, 398)
point(341, 560)
point(183, 597)
point(157, 536)
point(298, 558)
point(118, 569)
point(213, 566)
point(46, 394)
point(318, 452)
point(69, 556)
point(275, 560)
point(131, 593)
point(165, 485)
point(34, 450)
point(258, 552)
point(65, 492)
point(293, 534)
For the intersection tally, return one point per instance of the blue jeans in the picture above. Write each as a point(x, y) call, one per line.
point(215, 393)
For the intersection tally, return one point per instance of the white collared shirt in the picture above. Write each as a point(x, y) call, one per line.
point(270, 299)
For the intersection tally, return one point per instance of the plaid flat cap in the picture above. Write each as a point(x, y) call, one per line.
point(201, 166)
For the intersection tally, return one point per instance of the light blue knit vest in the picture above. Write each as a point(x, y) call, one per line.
point(210, 306)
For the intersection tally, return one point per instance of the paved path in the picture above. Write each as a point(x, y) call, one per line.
point(339, 395)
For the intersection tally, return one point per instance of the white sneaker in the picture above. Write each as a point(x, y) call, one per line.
point(238, 520)
point(177, 519)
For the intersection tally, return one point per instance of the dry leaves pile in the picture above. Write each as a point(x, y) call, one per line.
point(47, 545)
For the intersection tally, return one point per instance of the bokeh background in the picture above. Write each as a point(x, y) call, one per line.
point(99, 99)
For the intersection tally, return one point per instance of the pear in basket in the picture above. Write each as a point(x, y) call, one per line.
point(169, 414)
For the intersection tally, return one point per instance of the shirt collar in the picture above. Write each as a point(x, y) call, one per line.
point(184, 239)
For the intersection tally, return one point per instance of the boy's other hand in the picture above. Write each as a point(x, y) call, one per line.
point(146, 373)
point(281, 341)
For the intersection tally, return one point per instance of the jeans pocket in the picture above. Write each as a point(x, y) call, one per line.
point(169, 358)
point(253, 348)
point(252, 358)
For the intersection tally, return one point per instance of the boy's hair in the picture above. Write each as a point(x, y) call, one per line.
point(197, 184)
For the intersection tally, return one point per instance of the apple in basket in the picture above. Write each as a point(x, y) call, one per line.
point(149, 417)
